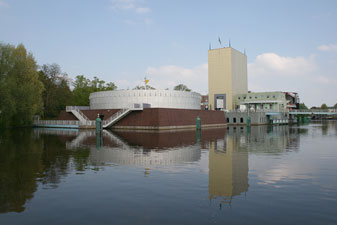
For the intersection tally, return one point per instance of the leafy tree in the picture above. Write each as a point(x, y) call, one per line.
point(335, 106)
point(83, 87)
point(324, 106)
point(57, 93)
point(142, 87)
point(20, 88)
point(81, 91)
point(303, 106)
point(181, 87)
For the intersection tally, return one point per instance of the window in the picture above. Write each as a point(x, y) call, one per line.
point(250, 97)
point(267, 96)
point(227, 120)
point(234, 120)
point(244, 97)
point(255, 97)
point(239, 98)
point(241, 120)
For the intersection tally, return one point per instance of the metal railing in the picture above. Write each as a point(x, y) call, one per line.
point(82, 114)
point(68, 108)
point(78, 109)
point(114, 116)
point(258, 110)
point(56, 122)
point(312, 110)
point(88, 123)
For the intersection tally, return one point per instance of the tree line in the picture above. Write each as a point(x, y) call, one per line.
point(323, 106)
point(27, 89)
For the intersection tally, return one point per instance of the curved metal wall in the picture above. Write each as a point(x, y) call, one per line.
point(156, 98)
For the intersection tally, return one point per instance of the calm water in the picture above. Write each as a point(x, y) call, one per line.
point(265, 175)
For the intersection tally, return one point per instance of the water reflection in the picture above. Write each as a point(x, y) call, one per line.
point(272, 140)
point(45, 156)
point(25, 160)
point(228, 169)
point(144, 149)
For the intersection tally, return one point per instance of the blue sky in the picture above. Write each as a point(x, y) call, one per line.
point(291, 45)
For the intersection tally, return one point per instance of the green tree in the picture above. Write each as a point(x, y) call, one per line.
point(181, 87)
point(142, 87)
point(57, 94)
point(324, 106)
point(81, 91)
point(335, 106)
point(20, 88)
point(83, 87)
point(303, 106)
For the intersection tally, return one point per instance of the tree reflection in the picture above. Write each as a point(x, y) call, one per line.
point(20, 163)
point(25, 161)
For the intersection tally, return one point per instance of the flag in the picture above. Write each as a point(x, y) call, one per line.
point(219, 41)
point(147, 81)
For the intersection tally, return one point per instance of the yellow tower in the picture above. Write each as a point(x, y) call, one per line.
point(227, 77)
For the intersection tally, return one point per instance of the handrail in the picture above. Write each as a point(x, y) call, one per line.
point(82, 114)
point(114, 116)
point(257, 110)
point(56, 122)
point(77, 107)
point(117, 114)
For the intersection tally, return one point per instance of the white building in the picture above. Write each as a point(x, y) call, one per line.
point(156, 98)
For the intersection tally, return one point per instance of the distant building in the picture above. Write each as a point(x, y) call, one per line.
point(267, 101)
point(227, 77)
point(332, 109)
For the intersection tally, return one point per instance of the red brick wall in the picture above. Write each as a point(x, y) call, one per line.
point(171, 117)
point(66, 116)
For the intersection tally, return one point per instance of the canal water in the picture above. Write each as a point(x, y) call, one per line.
point(261, 175)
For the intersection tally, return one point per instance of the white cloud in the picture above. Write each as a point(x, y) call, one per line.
point(326, 80)
point(195, 78)
point(143, 10)
point(271, 64)
point(129, 5)
point(314, 81)
point(3, 4)
point(168, 76)
point(327, 48)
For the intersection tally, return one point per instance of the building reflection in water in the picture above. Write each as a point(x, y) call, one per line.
point(228, 169)
point(142, 149)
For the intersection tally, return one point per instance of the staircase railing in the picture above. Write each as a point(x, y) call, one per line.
point(114, 116)
point(78, 109)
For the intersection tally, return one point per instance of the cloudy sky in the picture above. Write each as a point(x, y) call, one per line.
point(291, 45)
